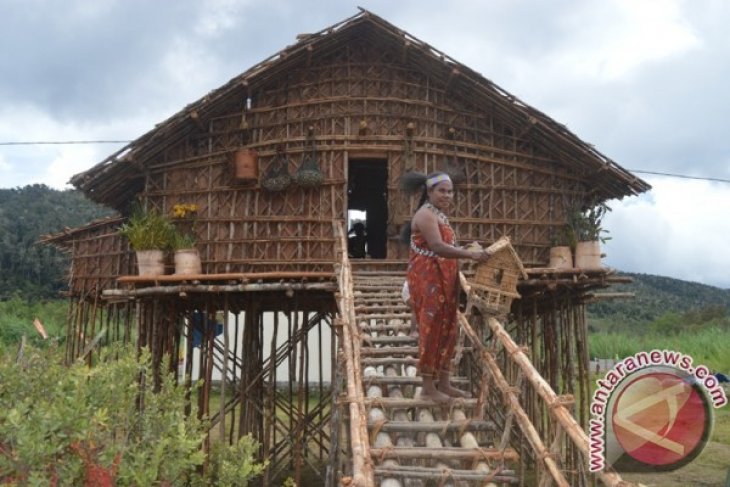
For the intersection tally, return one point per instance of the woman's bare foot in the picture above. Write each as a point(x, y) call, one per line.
point(453, 392)
point(429, 391)
point(445, 386)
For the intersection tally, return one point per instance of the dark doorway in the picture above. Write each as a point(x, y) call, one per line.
point(367, 199)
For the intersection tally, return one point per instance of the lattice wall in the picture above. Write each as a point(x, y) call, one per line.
point(100, 255)
point(510, 186)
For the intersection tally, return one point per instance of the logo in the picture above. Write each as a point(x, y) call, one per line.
point(652, 412)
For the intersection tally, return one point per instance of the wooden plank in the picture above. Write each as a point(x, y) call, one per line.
point(236, 276)
point(444, 453)
point(435, 427)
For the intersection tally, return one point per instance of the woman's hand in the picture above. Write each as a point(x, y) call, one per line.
point(481, 255)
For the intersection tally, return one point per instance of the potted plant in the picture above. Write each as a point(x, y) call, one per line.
point(149, 234)
point(589, 234)
point(561, 243)
point(187, 257)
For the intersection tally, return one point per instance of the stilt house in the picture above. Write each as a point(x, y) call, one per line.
point(315, 360)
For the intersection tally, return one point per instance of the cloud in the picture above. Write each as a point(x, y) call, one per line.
point(5, 166)
point(54, 165)
point(611, 40)
point(679, 229)
point(645, 82)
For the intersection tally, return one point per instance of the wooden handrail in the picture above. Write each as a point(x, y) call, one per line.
point(359, 442)
point(558, 411)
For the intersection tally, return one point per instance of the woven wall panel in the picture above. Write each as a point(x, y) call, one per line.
point(511, 186)
point(99, 257)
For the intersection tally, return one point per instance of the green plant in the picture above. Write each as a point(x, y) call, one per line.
point(562, 237)
point(585, 223)
point(16, 320)
point(183, 215)
point(84, 426)
point(148, 230)
point(234, 465)
point(182, 240)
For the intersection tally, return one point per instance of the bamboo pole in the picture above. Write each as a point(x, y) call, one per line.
point(361, 460)
point(513, 403)
point(216, 289)
point(224, 375)
point(237, 276)
point(554, 402)
point(357, 442)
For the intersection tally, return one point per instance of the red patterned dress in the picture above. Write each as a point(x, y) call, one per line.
point(433, 284)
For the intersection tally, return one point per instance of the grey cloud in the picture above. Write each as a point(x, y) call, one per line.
point(76, 67)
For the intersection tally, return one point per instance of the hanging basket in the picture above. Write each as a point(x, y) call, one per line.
point(277, 177)
point(309, 175)
point(244, 163)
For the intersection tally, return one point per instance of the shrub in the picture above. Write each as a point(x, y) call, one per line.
point(100, 426)
point(233, 465)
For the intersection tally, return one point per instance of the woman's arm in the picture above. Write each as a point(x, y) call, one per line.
point(426, 222)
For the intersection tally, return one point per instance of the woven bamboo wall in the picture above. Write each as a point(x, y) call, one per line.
point(100, 255)
point(510, 187)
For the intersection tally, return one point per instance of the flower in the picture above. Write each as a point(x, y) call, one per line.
point(184, 215)
point(184, 210)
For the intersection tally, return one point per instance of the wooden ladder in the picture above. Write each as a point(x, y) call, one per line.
point(413, 441)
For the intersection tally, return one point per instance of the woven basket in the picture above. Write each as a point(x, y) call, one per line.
point(494, 284)
point(277, 177)
point(309, 175)
point(490, 300)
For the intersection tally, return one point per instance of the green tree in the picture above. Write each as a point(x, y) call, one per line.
point(28, 269)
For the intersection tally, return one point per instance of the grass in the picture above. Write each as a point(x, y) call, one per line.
point(17, 315)
point(707, 346)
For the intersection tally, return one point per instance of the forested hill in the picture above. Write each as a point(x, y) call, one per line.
point(657, 298)
point(27, 269)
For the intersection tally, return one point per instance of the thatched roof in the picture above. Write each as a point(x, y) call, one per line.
point(118, 178)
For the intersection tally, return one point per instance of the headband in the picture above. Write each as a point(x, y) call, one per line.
point(439, 178)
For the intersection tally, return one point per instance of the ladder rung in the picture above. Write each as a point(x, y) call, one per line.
point(391, 340)
point(444, 453)
point(436, 473)
point(408, 403)
point(433, 427)
point(405, 381)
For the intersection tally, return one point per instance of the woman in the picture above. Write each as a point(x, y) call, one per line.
point(433, 280)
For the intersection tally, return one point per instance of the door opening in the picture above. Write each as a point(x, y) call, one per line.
point(367, 203)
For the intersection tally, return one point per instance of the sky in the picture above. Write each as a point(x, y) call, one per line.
point(644, 81)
